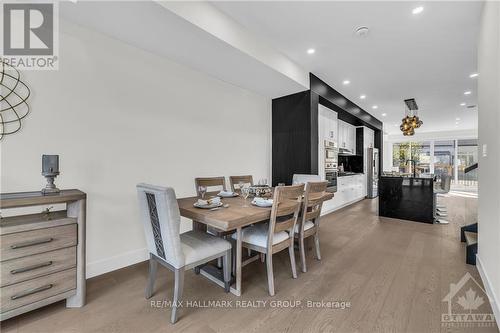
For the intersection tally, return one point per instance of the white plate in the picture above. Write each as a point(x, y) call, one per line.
point(263, 203)
point(214, 205)
point(220, 194)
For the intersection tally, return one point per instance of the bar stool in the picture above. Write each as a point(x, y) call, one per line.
point(440, 210)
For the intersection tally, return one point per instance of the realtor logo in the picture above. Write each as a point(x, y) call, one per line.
point(30, 35)
point(466, 305)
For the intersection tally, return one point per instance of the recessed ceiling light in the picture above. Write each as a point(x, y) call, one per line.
point(375, 107)
point(462, 104)
point(362, 96)
point(417, 10)
point(311, 51)
point(468, 92)
point(346, 82)
point(362, 31)
point(473, 75)
point(384, 114)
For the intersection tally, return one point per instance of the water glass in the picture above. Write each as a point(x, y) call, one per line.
point(202, 190)
point(245, 192)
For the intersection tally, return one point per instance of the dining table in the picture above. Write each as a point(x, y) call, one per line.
point(236, 214)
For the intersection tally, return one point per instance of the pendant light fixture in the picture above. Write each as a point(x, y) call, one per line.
point(411, 121)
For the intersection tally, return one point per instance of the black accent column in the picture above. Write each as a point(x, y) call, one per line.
point(295, 137)
point(295, 128)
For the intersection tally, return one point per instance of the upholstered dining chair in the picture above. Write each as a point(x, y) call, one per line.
point(276, 235)
point(236, 180)
point(309, 219)
point(161, 219)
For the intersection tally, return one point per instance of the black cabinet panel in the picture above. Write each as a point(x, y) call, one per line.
point(292, 137)
point(406, 198)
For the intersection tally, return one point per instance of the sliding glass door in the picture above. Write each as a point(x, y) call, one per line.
point(467, 155)
point(444, 158)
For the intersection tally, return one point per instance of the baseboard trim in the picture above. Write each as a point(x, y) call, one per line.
point(116, 262)
point(489, 290)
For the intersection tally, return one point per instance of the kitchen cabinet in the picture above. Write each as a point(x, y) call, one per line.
point(347, 136)
point(327, 124)
point(349, 190)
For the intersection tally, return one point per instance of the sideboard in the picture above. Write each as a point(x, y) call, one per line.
point(42, 258)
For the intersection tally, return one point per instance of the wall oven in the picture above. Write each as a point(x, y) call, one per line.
point(331, 165)
point(331, 177)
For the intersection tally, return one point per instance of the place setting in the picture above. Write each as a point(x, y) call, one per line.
point(214, 202)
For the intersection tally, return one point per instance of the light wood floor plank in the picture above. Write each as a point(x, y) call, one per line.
point(395, 274)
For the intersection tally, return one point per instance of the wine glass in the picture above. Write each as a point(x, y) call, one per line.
point(202, 190)
point(245, 192)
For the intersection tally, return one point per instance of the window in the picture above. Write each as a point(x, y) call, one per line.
point(444, 158)
point(438, 157)
point(466, 156)
point(405, 152)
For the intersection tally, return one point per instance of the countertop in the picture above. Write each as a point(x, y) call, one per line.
point(407, 177)
point(347, 174)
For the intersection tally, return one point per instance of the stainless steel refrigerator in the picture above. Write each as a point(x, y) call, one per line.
point(372, 173)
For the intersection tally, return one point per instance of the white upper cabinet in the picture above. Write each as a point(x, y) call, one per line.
point(347, 136)
point(327, 122)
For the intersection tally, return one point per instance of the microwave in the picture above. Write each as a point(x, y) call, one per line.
point(331, 154)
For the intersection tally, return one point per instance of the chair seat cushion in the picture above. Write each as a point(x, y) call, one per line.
point(197, 245)
point(257, 235)
point(308, 225)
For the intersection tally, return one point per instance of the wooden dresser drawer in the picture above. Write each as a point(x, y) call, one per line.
point(25, 268)
point(30, 291)
point(31, 242)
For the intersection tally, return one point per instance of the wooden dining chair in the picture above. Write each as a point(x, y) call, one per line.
point(178, 252)
point(276, 235)
point(220, 184)
point(236, 180)
point(210, 182)
point(309, 219)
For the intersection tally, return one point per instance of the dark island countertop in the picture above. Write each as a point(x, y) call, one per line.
point(407, 198)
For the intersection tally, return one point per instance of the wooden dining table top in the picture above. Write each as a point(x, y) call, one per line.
point(236, 215)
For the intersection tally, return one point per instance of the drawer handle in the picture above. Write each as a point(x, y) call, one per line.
point(32, 243)
point(30, 268)
point(31, 291)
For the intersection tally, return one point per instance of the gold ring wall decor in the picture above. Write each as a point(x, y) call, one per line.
point(14, 94)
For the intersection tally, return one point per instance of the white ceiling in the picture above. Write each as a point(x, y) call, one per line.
point(427, 56)
point(151, 27)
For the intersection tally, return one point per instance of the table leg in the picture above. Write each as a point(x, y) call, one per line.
point(239, 250)
point(199, 226)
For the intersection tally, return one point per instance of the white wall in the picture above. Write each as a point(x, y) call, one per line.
point(117, 116)
point(489, 182)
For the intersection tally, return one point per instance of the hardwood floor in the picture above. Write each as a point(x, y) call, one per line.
point(394, 274)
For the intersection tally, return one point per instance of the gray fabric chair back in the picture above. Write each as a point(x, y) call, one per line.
point(445, 182)
point(161, 219)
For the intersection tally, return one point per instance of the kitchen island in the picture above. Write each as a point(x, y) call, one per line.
point(406, 198)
